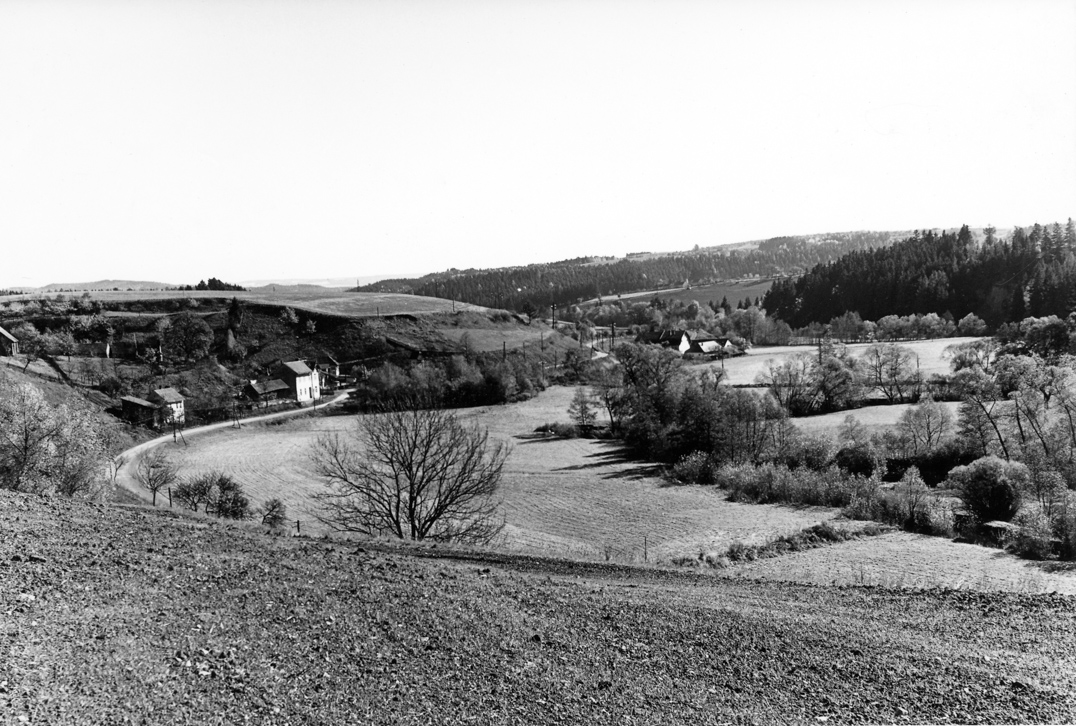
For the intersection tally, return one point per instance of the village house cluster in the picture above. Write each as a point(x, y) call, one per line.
point(300, 382)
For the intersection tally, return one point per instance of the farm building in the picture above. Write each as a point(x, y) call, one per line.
point(9, 344)
point(171, 404)
point(694, 342)
point(302, 382)
point(712, 347)
point(139, 411)
point(266, 391)
point(675, 339)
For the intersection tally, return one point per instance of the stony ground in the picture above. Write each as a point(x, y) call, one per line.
point(114, 614)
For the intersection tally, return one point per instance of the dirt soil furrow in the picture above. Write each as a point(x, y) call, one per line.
point(118, 615)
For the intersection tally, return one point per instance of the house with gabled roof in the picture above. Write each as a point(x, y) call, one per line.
point(9, 344)
point(171, 402)
point(302, 382)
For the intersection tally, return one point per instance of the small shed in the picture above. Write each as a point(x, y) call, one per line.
point(265, 391)
point(9, 344)
point(138, 411)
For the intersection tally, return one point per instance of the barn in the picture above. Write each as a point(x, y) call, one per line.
point(9, 344)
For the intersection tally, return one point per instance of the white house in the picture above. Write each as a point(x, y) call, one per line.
point(302, 382)
point(171, 403)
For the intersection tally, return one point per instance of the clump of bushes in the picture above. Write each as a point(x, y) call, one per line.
point(698, 467)
point(810, 538)
point(777, 484)
point(908, 505)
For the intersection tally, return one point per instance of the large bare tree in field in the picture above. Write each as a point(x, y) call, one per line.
point(419, 474)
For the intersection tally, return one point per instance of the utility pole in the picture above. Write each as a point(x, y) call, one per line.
point(554, 325)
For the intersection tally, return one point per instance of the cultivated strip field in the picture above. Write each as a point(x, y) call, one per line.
point(745, 369)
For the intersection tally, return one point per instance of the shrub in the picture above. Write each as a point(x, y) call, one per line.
point(1064, 527)
point(860, 460)
point(564, 430)
point(695, 468)
point(1034, 539)
point(990, 487)
point(111, 386)
point(808, 452)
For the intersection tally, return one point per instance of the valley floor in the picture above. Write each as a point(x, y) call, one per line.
point(126, 614)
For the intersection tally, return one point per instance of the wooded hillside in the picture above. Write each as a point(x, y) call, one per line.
point(1032, 272)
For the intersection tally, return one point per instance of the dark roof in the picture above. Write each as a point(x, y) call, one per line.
point(274, 385)
point(665, 337)
point(8, 335)
point(169, 395)
point(138, 401)
point(297, 367)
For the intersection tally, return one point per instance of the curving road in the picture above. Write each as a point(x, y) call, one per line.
point(132, 456)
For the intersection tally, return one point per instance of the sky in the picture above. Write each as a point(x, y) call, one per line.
point(282, 139)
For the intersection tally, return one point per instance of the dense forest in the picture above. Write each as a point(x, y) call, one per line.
point(1030, 273)
point(535, 287)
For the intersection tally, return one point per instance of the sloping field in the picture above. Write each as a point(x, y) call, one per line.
point(734, 290)
point(332, 302)
point(575, 496)
point(745, 369)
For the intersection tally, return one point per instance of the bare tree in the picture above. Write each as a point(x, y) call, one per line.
point(926, 426)
point(419, 474)
point(156, 473)
point(888, 368)
point(273, 512)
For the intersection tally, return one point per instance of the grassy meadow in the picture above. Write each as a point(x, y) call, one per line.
point(570, 497)
point(582, 498)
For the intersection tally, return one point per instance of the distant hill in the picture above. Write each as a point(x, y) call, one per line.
point(534, 287)
point(102, 285)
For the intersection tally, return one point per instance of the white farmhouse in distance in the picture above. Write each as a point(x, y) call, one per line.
point(302, 382)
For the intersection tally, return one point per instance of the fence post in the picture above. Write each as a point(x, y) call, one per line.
point(169, 497)
point(298, 527)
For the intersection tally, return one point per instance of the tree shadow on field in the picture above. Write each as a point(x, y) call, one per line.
point(616, 455)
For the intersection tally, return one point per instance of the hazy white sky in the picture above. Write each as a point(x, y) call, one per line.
point(175, 141)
